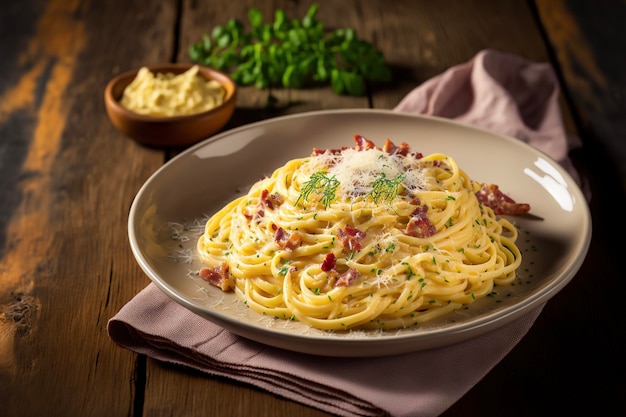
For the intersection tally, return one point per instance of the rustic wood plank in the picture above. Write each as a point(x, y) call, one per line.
point(572, 357)
point(588, 40)
point(66, 265)
point(173, 391)
point(423, 39)
point(67, 179)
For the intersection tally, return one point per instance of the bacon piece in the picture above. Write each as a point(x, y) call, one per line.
point(491, 196)
point(280, 235)
point(403, 149)
point(363, 143)
point(217, 276)
point(255, 214)
point(347, 278)
point(391, 148)
point(338, 151)
point(266, 200)
point(329, 262)
point(286, 240)
point(294, 241)
point(270, 200)
point(351, 237)
point(419, 224)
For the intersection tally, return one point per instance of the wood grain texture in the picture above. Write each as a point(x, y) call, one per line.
point(66, 266)
point(68, 178)
point(570, 362)
point(588, 40)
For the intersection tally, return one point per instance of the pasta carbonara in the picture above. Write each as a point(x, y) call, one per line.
point(362, 237)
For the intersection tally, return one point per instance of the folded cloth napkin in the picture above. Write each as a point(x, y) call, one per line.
point(495, 90)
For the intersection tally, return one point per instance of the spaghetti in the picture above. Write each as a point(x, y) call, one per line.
point(363, 237)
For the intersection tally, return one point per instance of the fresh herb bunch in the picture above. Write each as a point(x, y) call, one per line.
point(291, 53)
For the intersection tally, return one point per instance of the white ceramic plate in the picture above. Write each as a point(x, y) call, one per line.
point(168, 214)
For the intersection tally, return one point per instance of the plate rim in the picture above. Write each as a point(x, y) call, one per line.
point(473, 328)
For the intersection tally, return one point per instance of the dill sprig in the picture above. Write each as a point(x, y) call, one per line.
point(320, 183)
point(385, 189)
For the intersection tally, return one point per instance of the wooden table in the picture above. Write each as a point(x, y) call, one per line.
point(67, 180)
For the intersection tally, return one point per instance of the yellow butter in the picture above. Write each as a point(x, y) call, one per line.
point(169, 94)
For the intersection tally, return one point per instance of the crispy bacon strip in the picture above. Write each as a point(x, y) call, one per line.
point(491, 196)
point(271, 200)
point(403, 149)
point(254, 213)
point(363, 143)
point(266, 200)
point(335, 279)
point(317, 151)
point(350, 237)
point(217, 276)
point(347, 278)
point(329, 262)
point(286, 240)
point(419, 224)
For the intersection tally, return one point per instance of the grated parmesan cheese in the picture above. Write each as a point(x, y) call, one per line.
point(356, 170)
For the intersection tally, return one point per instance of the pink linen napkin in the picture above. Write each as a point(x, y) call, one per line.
point(495, 90)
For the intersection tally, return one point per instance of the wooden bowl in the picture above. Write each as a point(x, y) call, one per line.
point(169, 131)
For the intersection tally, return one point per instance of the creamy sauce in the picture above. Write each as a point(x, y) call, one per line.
point(168, 94)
